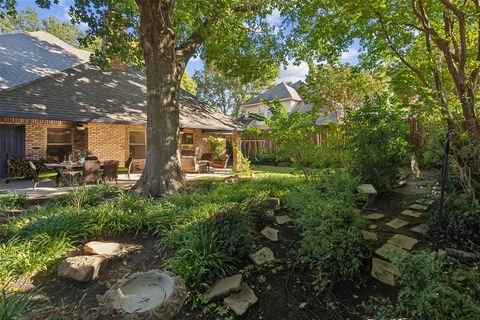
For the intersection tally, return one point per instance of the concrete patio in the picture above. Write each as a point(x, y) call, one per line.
point(48, 189)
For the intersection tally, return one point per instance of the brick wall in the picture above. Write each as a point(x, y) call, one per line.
point(108, 141)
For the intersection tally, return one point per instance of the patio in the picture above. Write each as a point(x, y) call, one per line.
point(47, 190)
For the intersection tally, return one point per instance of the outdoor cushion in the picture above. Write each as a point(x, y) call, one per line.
point(47, 174)
point(122, 170)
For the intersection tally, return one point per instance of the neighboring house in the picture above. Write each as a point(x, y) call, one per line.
point(53, 102)
point(289, 96)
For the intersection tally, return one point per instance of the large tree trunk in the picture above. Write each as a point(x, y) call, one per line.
point(162, 173)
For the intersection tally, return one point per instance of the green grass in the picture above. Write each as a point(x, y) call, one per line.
point(9, 201)
point(263, 170)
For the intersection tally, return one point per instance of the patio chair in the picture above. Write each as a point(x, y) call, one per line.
point(39, 177)
point(128, 167)
point(90, 157)
point(221, 164)
point(91, 171)
point(110, 170)
point(189, 164)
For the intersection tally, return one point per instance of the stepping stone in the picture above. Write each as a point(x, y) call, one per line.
point(397, 223)
point(421, 228)
point(82, 268)
point(104, 248)
point(372, 226)
point(402, 241)
point(375, 216)
point(240, 302)
point(427, 202)
point(357, 210)
point(389, 251)
point(418, 207)
point(270, 213)
point(262, 256)
point(367, 235)
point(270, 233)
point(272, 203)
point(384, 271)
point(283, 219)
point(223, 287)
point(411, 213)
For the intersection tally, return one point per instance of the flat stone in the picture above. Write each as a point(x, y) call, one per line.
point(273, 203)
point(402, 183)
point(402, 241)
point(397, 223)
point(270, 233)
point(389, 251)
point(240, 302)
point(270, 213)
point(384, 271)
point(104, 248)
point(375, 216)
point(411, 213)
point(367, 235)
point(283, 219)
point(418, 207)
point(81, 268)
point(262, 256)
point(421, 228)
point(426, 202)
point(367, 189)
point(372, 226)
point(223, 287)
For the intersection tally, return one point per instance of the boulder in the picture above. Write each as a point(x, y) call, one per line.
point(82, 268)
point(223, 287)
point(104, 248)
point(240, 302)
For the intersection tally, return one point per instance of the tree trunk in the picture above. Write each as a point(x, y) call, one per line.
point(162, 174)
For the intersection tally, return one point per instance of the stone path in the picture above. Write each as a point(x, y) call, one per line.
point(398, 244)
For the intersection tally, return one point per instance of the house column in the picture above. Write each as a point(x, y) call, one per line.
point(237, 153)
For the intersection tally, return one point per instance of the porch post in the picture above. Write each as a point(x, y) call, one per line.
point(237, 153)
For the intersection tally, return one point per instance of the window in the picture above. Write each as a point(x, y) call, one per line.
point(59, 144)
point(137, 144)
point(187, 138)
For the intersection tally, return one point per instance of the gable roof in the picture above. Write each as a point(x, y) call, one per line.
point(280, 91)
point(25, 57)
point(85, 93)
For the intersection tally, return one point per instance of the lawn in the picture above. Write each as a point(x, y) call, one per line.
point(264, 170)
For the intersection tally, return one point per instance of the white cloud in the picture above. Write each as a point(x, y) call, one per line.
point(275, 18)
point(349, 55)
point(293, 73)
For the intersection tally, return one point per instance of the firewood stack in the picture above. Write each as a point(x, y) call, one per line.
point(17, 168)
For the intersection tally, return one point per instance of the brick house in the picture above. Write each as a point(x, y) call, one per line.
point(53, 103)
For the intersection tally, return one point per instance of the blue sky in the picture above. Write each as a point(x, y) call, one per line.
point(290, 72)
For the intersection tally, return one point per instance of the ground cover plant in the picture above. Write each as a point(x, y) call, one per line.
point(10, 201)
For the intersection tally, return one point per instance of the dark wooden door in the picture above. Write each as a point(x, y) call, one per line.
point(12, 142)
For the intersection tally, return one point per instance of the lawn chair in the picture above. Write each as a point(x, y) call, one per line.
point(128, 167)
point(39, 177)
point(110, 170)
point(91, 171)
point(221, 164)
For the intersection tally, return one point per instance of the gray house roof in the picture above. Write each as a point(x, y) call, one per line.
point(86, 93)
point(75, 90)
point(25, 57)
point(280, 91)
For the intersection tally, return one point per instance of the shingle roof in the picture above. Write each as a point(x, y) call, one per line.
point(25, 57)
point(280, 91)
point(86, 93)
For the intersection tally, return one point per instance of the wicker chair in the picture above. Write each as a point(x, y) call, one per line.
point(91, 171)
point(39, 177)
point(128, 167)
point(110, 170)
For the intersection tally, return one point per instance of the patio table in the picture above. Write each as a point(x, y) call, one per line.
point(69, 169)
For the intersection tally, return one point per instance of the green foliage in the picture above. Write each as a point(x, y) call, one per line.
point(292, 132)
point(432, 288)
point(188, 84)
point(462, 218)
point(331, 238)
point(14, 305)
point(217, 147)
point(9, 201)
point(201, 258)
point(375, 139)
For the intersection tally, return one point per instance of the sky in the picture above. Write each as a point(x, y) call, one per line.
point(288, 73)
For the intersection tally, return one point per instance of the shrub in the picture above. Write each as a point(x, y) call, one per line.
point(432, 288)
point(201, 258)
point(331, 238)
point(375, 139)
point(462, 219)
